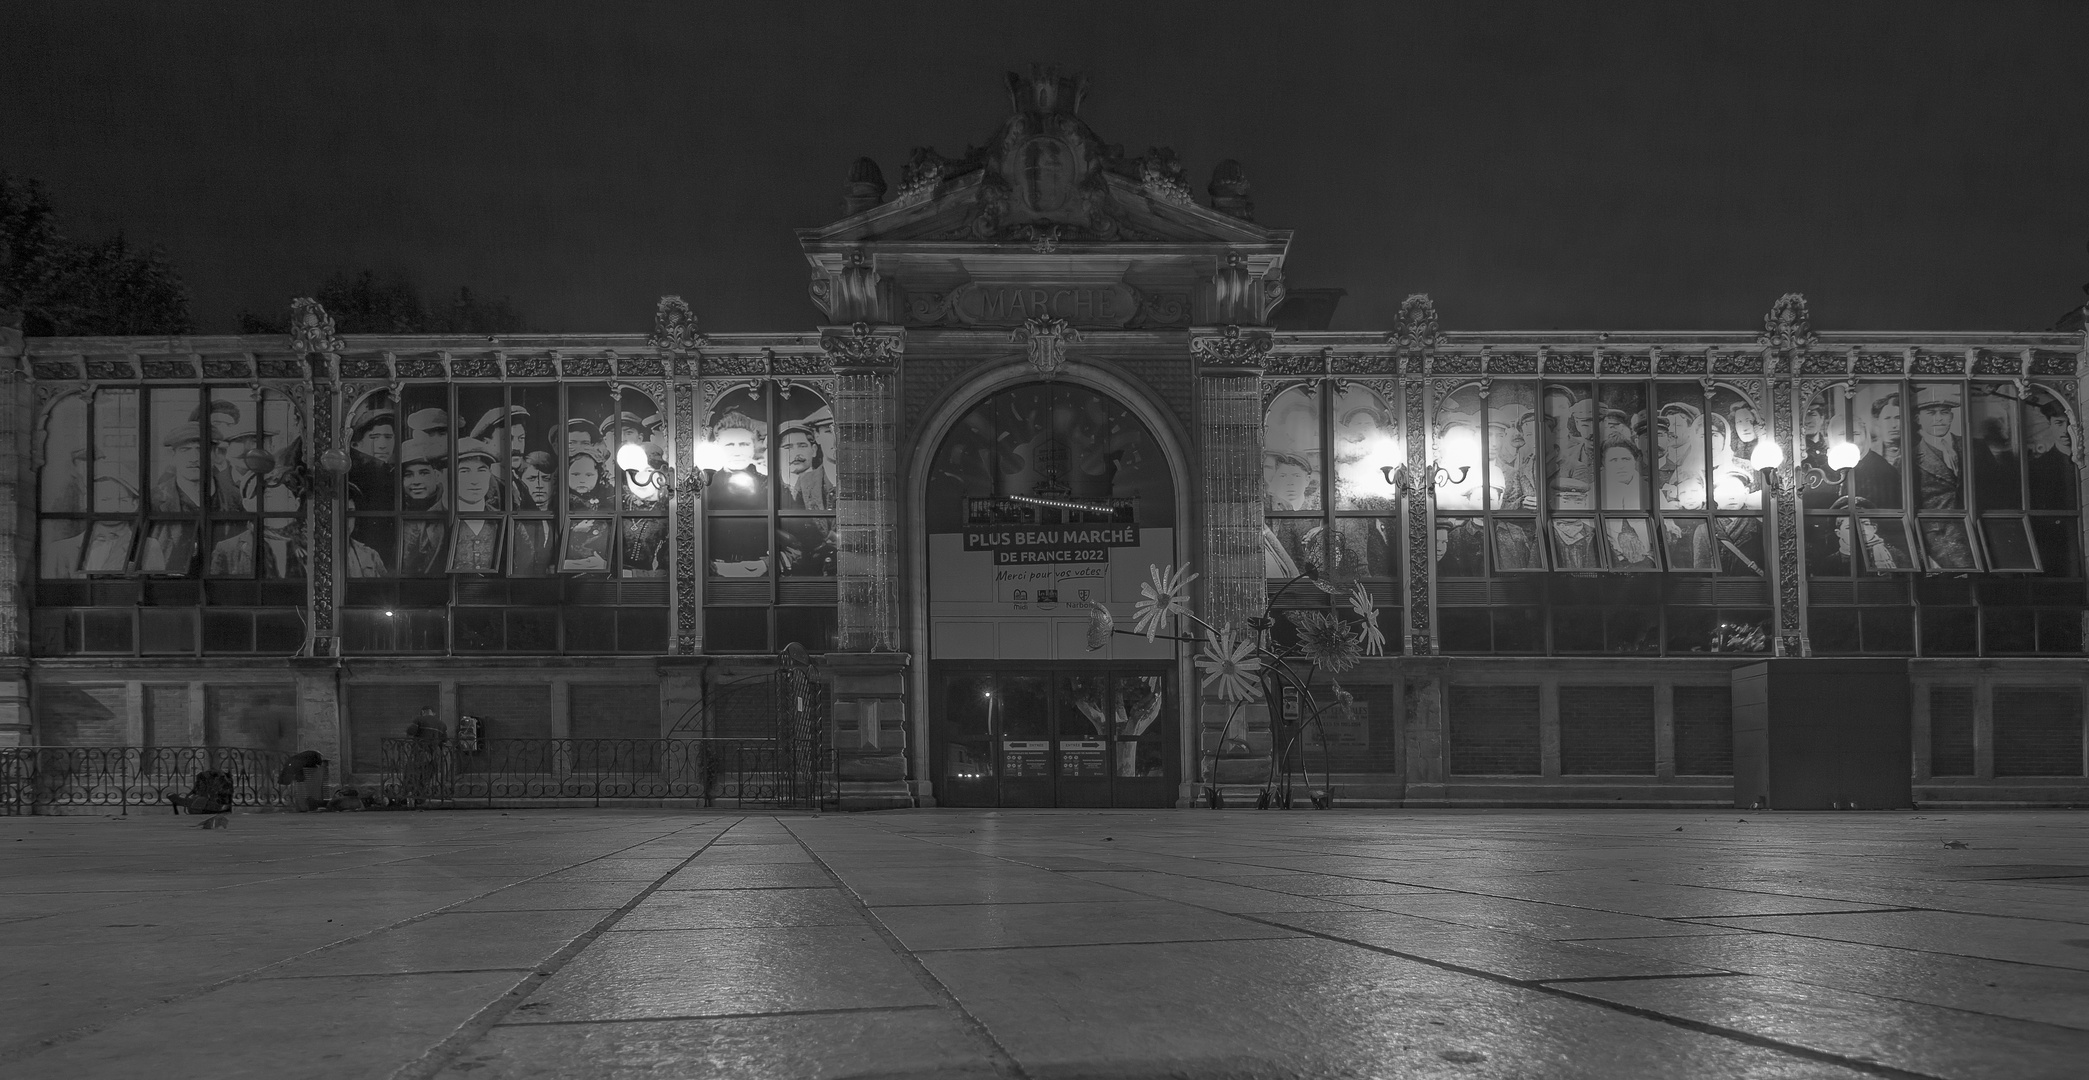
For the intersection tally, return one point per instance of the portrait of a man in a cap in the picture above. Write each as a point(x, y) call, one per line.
point(1938, 455)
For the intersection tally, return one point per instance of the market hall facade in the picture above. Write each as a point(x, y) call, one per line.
point(1040, 371)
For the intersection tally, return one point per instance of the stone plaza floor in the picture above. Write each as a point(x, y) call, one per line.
point(942, 943)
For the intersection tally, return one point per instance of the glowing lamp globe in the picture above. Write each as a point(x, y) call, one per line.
point(1767, 455)
point(1843, 455)
point(708, 456)
point(631, 457)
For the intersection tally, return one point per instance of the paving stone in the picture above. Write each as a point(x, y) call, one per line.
point(671, 973)
point(906, 1042)
point(983, 926)
point(713, 909)
point(1897, 1034)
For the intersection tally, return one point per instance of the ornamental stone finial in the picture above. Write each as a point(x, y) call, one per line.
point(1417, 328)
point(312, 329)
point(1047, 338)
point(674, 326)
point(1788, 328)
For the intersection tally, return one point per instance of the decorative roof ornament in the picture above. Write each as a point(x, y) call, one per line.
point(312, 329)
point(1047, 338)
point(1788, 328)
point(674, 326)
point(1416, 328)
point(1232, 348)
point(1162, 176)
point(1229, 189)
point(861, 347)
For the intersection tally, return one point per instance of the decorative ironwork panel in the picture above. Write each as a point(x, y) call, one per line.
point(1569, 363)
point(687, 511)
point(1421, 569)
point(2052, 363)
point(1364, 364)
point(423, 369)
point(475, 367)
point(531, 367)
point(111, 370)
point(281, 367)
point(365, 367)
point(324, 505)
point(55, 369)
point(1627, 363)
point(585, 367)
point(222, 368)
point(179, 368)
point(1791, 612)
point(638, 366)
point(1512, 363)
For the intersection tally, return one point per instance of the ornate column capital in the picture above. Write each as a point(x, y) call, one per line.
point(1229, 351)
point(863, 349)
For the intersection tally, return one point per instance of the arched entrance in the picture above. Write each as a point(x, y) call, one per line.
point(1040, 499)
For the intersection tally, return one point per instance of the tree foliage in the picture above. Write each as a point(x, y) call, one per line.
point(369, 302)
point(63, 287)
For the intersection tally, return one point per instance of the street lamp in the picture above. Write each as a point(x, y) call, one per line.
point(1768, 459)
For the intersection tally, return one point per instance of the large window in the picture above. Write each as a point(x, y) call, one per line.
point(1329, 509)
point(1565, 501)
point(171, 522)
point(1955, 534)
point(769, 554)
point(487, 519)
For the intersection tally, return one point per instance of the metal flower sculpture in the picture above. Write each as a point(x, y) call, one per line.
point(1367, 609)
point(1324, 641)
point(1244, 667)
point(1232, 665)
point(1165, 597)
point(1100, 625)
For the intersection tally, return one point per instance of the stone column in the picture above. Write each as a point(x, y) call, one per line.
point(319, 714)
point(17, 539)
point(1228, 475)
point(867, 710)
point(1229, 471)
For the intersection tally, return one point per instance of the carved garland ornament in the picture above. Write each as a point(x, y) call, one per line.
point(1232, 348)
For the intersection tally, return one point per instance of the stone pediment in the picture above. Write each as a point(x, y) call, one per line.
point(1045, 220)
point(975, 207)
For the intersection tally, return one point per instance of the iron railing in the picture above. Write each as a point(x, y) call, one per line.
point(779, 773)
point(48, 779)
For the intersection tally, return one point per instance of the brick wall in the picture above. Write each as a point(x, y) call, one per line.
point(81, 715)
point(251, 717)
point(1951, 731)
point(1494, 730)
point(381, 711)
point(509, 711)
point(2038, 731)
point(167, 717)
point(1606, 730)
point(615, 711)
point(1704, 730)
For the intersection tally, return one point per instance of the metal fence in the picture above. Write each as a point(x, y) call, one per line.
point(778, 773)
point(50, 779)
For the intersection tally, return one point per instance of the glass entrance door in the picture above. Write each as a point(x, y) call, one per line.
point(1054, 735)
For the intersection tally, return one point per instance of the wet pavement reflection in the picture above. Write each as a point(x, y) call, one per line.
point(628, 943)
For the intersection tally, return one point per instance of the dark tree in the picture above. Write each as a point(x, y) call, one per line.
point(65, 288)
point(367, 302)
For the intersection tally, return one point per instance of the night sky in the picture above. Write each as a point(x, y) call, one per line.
point(1671, 165)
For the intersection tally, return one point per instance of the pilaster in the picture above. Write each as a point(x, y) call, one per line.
point(17, 404)
point(866, 407)
point(1229, 365)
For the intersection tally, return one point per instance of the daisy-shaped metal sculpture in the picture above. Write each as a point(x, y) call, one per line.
point(1163, 598)
point(1232, 665)
point(1100, 626)
point(1367, 609)
point(1324, 641)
